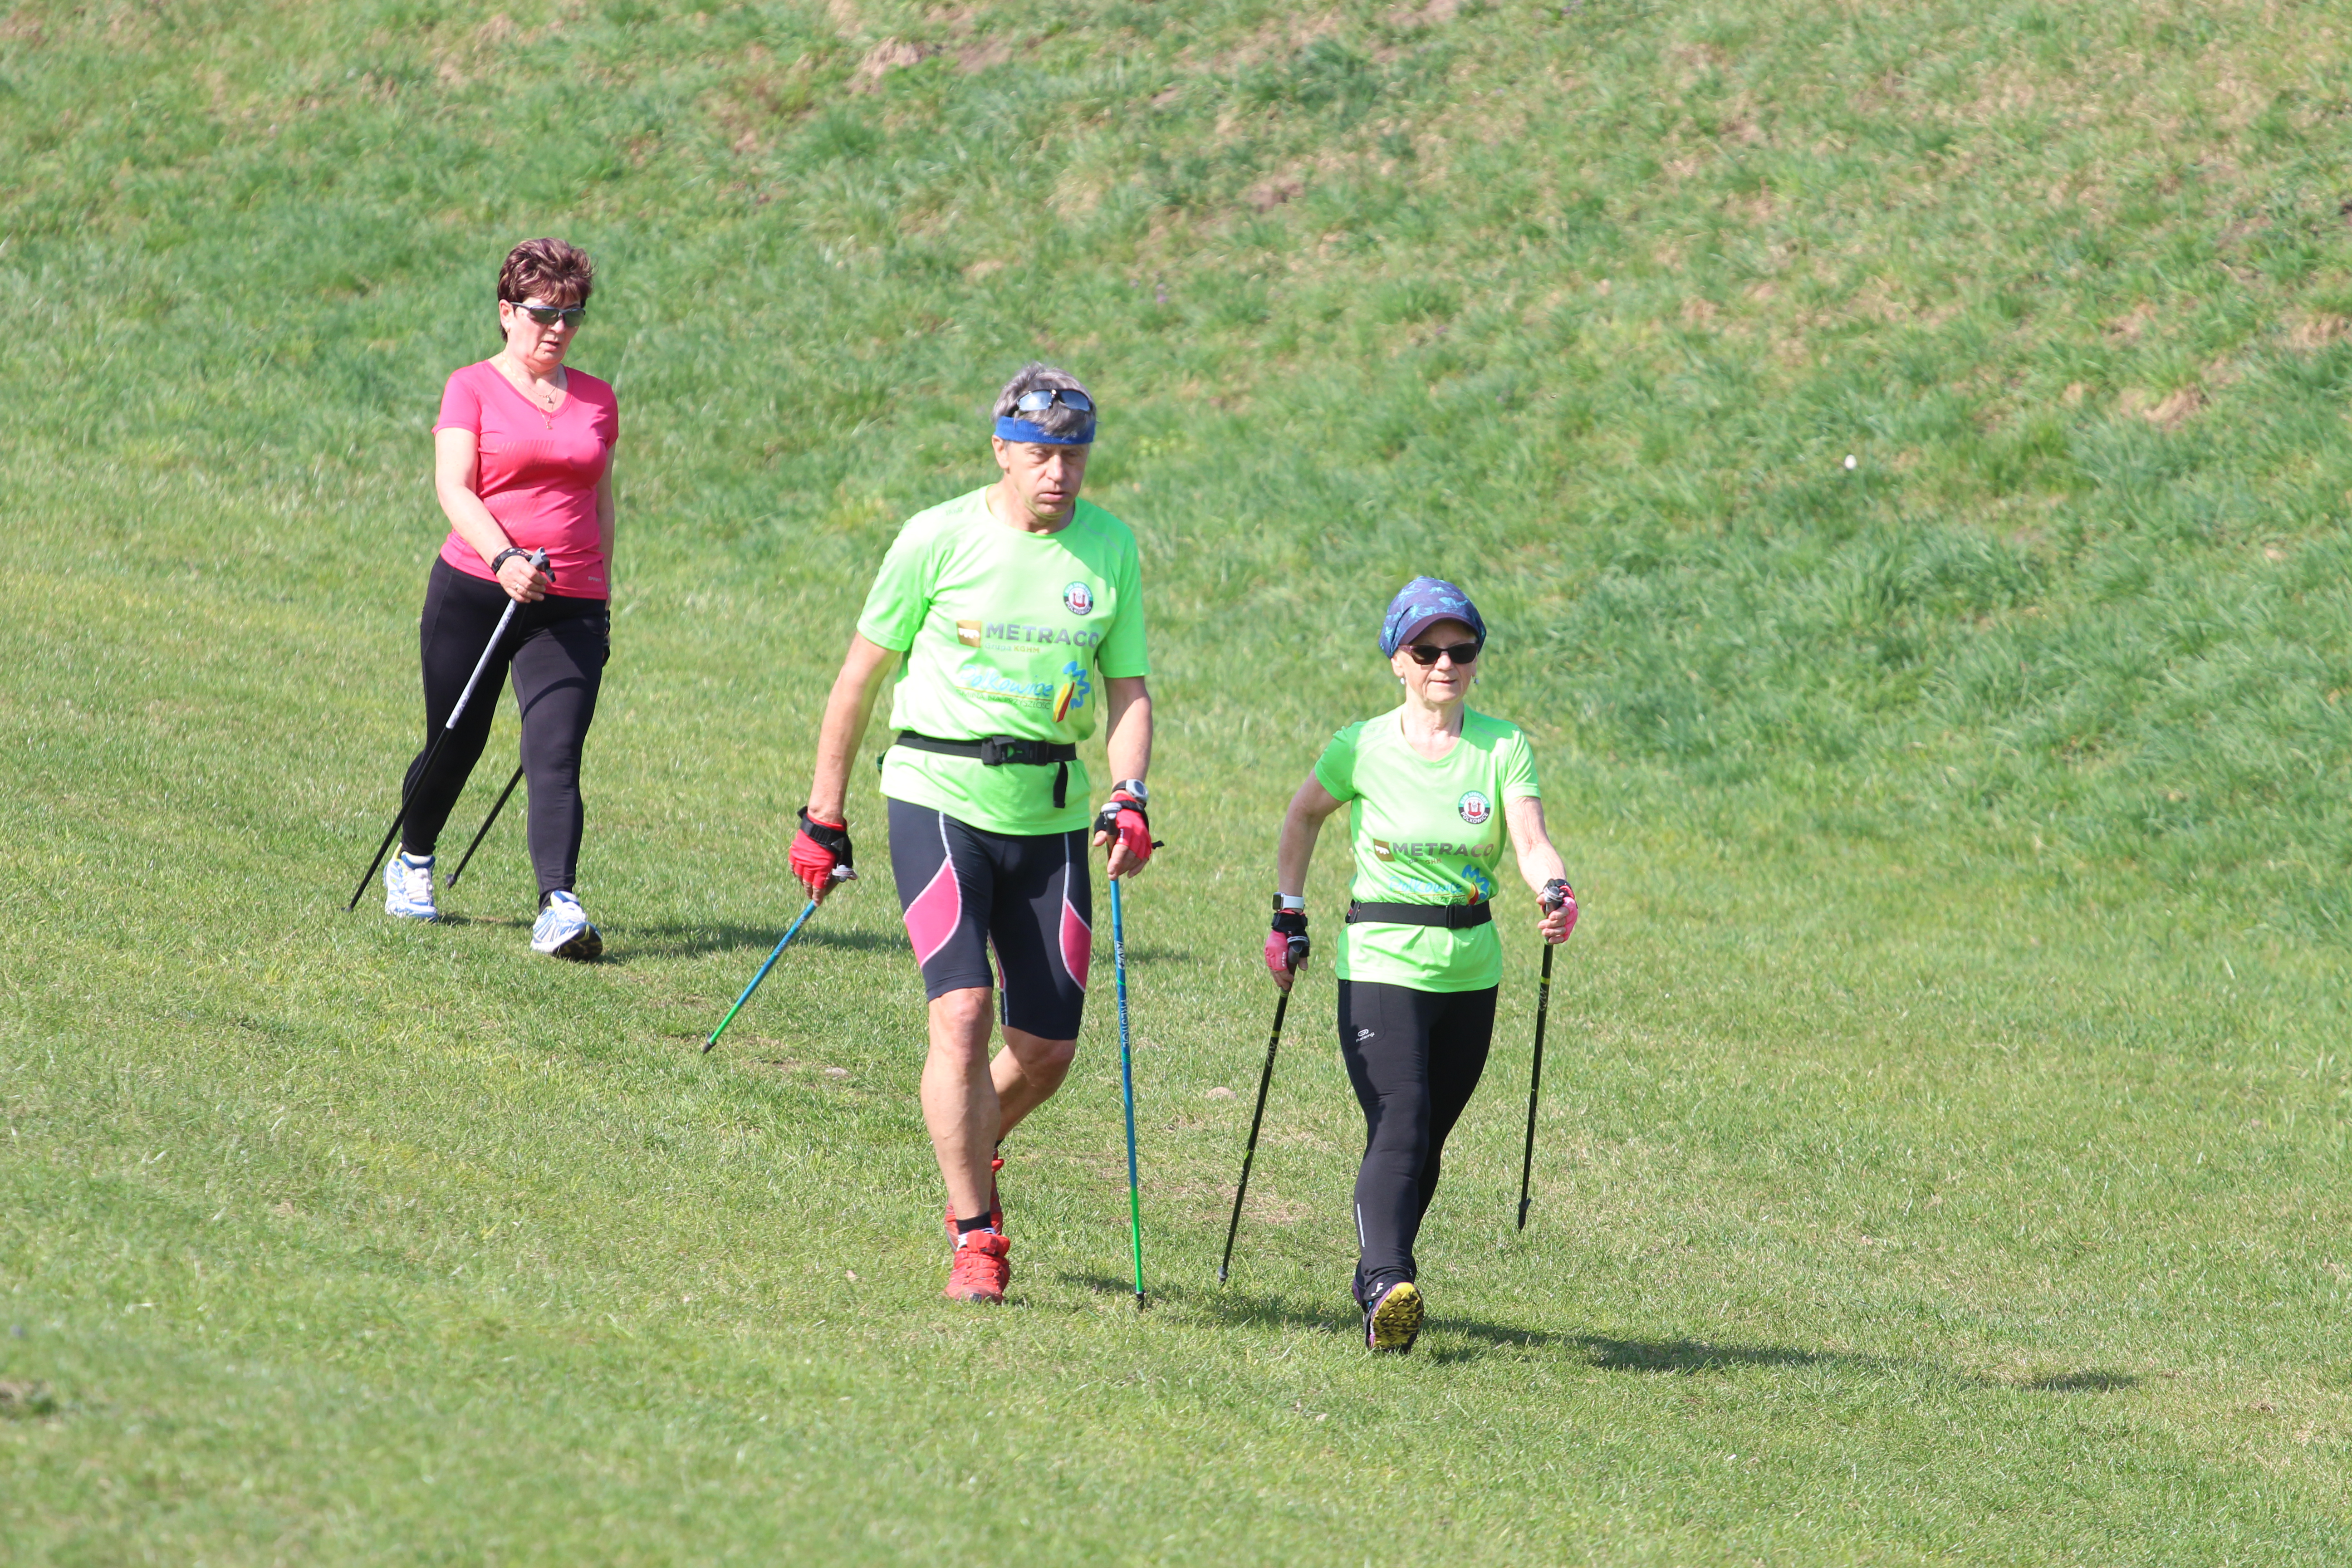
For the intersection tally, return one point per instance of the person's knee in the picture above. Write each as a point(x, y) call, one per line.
point(1043, 1061)
point(961, 1021)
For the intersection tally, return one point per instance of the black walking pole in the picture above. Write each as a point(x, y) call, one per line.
point(1534, 1081)
point(495, 807)
point(1265, 1080)
point(538, 558)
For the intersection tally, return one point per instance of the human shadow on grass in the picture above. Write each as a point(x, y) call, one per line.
point(694, 938)
point(1680, 1357)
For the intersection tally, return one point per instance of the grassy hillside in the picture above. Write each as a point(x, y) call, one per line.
point(1946, 1149)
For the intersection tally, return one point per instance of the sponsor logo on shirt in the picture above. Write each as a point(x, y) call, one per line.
point(1422, 850)
point(1078, 599)
point(1064, 696)
point(1021, 634)
point(1476, 808)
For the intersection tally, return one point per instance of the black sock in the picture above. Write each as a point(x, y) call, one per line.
point(966, 1226)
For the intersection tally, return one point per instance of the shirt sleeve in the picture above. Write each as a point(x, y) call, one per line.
point(1122, 652)
point(461, 405)
point(1335, 770)
point(901, 594)
point(1519, 769)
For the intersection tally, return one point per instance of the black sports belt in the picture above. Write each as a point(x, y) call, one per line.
point(996, 751)
point(1453, 917)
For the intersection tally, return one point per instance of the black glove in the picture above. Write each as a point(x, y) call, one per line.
point(1287, 946)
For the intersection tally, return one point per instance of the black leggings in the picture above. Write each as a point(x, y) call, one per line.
point(1414, 1057)
point(556, 648)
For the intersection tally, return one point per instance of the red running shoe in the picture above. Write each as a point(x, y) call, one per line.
point(995, 1203)
point(981, 1272)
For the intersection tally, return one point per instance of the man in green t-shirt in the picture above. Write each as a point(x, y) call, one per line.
point(1018, 611)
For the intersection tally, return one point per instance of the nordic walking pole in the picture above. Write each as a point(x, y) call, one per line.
point(495, 807)
point(538, 558)
point(1265, 1080)
point(840, 874)
point(1127, 1087)
point(1534, 1081)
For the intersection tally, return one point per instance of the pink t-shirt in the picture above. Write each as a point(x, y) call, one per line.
point(536, 471)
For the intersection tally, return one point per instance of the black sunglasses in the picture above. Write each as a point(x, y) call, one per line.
point(1461, 652)
point(1045, 398)
point(548, 315)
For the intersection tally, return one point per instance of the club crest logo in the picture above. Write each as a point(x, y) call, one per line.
point(1078, 599)
point(1476, 808)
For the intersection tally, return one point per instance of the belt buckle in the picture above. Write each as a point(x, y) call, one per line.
point(995, 751)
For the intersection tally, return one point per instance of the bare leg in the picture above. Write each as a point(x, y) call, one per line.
point(960, 1103)
point(1026, 1072)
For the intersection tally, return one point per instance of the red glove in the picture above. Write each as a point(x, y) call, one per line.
point(1123, 818)
point(1557, 895)
point(821, 855)
point(1285, 945)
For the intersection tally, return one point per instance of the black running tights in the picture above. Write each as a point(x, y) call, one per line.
point(556, 650)
point(1415, 1058)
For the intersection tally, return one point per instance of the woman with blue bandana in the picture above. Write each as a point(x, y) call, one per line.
point(1018, 611)
point(1432, 788)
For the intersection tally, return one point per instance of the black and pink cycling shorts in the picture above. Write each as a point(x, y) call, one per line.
point(1027, 898)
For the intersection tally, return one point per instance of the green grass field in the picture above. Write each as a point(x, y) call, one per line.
point(1944, 1155)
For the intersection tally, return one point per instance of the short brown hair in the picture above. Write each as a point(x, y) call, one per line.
point(559, 273)
point(1055, 421)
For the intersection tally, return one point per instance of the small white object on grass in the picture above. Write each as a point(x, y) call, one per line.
point(1848, 459)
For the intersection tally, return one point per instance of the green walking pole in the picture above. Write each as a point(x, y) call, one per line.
point(840, 874)
point(1127, 1087)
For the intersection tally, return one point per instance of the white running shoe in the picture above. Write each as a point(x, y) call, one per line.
point(408, 888)
point(562, 929)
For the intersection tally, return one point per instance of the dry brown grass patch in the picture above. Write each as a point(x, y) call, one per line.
point(2313, 332)
point(2169, 412)
point(889, 55)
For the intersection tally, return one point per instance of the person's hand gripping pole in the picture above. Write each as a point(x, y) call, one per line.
point(1286, 947)
point(1558, 901)
point(821, 856)
point(1124, 824)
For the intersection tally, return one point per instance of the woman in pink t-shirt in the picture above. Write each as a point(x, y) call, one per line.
point(523, 462)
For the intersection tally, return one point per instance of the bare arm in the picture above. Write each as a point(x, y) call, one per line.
point(847, 710)
point(457, 473)
point(1538, 862)
point(1302, 824)
point(1128, 744)
point(1128, 740)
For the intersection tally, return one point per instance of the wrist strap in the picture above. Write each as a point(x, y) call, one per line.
point(500, 558)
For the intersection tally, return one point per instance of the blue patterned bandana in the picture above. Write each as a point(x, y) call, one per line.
point(1422, 603)
point(1014, 428)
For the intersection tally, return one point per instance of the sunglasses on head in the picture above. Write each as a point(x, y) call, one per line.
point(548, 315)
point(1045, 398)
point(1424, 654)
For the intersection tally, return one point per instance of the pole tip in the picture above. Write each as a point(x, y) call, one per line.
point(714, 1040)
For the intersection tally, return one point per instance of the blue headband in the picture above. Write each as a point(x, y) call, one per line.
point(1010, 428)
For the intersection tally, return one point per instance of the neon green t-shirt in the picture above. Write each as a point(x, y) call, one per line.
point(1006, 632)
point(1425, 833)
